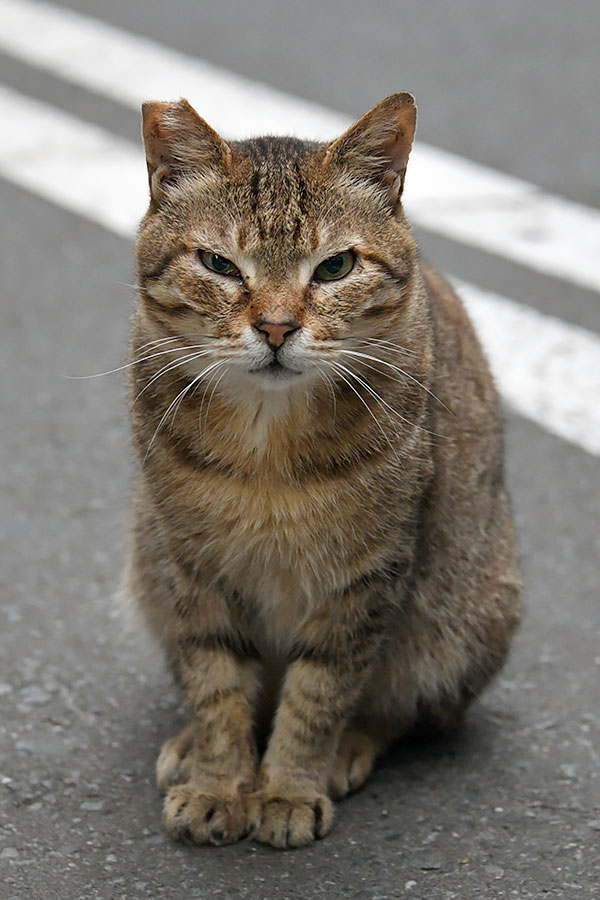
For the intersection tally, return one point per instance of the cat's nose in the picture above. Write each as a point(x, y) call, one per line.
point(276, 332)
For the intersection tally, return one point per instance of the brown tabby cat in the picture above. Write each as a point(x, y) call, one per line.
point(322, 538)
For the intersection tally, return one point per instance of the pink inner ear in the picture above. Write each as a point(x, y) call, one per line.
point(177, 137)
point(398, 147)
point(385, 132)
point(155, 135)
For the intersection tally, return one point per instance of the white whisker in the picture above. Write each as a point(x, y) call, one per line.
point(384, 362)
point(212, 393)
point(191, 336)
point(331, 387)
point(163, 340)
point(397, 348)
point(135, 362)
point(179, 398)
point(169, 367)
point(377, 397)
point(364, 403)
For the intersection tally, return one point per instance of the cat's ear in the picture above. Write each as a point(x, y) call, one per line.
point(178, 142)
point(378, 145)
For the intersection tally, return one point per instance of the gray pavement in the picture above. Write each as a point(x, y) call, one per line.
point(508, 807)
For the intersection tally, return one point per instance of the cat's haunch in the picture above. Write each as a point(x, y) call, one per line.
point(321, 537)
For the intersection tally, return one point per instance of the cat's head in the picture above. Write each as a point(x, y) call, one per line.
point(270, 258)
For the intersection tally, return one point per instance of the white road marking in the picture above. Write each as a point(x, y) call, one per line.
point(445, 193)
point(547, 370)
point(76, 165)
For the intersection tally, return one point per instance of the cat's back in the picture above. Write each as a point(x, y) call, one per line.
point(469, 403)
point(467, 523)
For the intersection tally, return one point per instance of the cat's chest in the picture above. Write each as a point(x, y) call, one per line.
point(283, 544)
point(276, 526)
point(281, 548)
point(269, 537)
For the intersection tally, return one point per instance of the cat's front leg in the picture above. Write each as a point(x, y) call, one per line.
point(291, 806)
point(209, 769)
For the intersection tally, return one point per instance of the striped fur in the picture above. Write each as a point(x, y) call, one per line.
point(323, 544)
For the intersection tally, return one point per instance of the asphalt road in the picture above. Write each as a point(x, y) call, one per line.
point(510, 806)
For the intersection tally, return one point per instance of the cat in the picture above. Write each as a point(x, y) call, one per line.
point(321, 536)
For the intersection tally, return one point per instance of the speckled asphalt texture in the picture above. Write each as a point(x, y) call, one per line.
point(510, 805)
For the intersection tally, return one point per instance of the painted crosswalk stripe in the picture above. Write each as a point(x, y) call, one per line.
point(74, 164)
point(446, 194)
point(546, 369)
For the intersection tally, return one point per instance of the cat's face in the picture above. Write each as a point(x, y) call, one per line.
point(269, 259)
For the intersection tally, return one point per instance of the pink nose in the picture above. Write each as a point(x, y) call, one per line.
point(277, 332)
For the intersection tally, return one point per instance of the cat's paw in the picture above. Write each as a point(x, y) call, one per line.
point(289, 821)
point(201, 817)
point(174, 764)
point(356, 755)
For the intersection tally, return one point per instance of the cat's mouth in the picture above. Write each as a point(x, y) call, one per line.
point(275, 369)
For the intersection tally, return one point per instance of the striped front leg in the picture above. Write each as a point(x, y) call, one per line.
point(209, 769)
point(291, 806)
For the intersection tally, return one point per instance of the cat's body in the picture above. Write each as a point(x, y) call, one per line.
point(321, 535)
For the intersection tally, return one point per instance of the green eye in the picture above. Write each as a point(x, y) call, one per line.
point(335, 267)
point(217, 263)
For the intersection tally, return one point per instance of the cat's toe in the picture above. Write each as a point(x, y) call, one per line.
point(200, 817)
point(356, 756)
point(284, 821)
point(175, 761)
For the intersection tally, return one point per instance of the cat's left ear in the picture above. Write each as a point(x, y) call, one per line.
point(378, 145)
point(178, 142)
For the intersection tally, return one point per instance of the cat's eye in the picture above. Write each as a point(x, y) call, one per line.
point(217, 263)
point(335, 267)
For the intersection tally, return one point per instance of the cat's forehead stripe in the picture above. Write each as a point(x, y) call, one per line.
point(278, 196)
